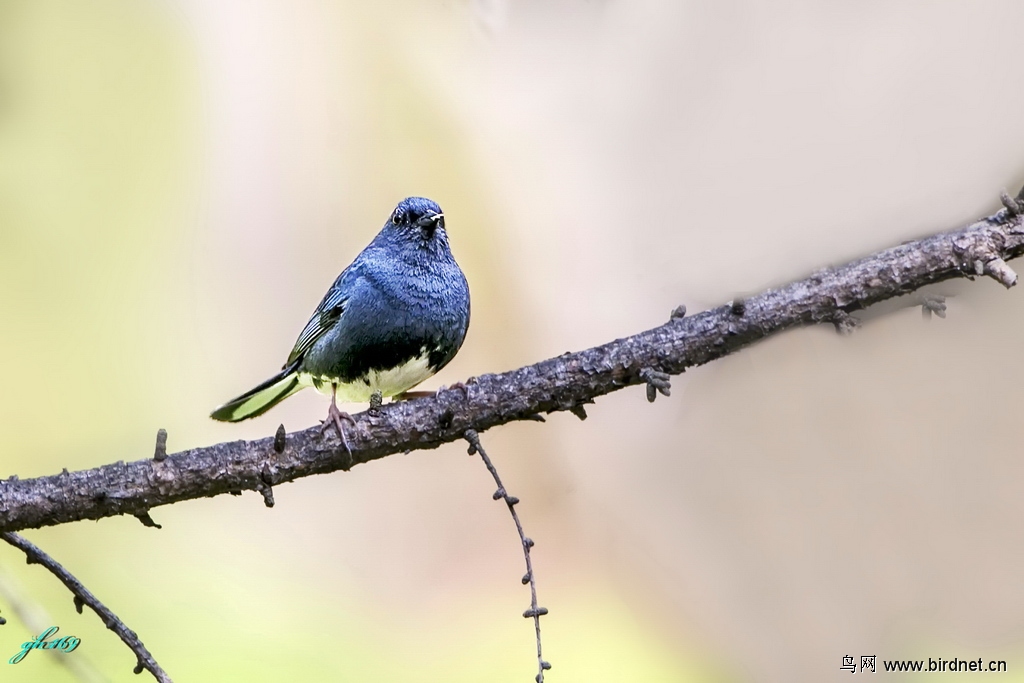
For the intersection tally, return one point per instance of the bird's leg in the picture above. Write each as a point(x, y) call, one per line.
point(335, 417)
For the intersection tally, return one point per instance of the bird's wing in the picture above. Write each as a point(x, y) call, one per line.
point(324, 317)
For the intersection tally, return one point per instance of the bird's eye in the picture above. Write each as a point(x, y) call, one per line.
point(398, 217)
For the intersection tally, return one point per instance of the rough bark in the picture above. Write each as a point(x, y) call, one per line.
point(566, 382)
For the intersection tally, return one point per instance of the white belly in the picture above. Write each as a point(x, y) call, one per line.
point(387, 382)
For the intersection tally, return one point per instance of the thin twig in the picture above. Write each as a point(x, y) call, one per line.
point(83, 596)
point(535, 612)
point(830, 295)
point(35, 618)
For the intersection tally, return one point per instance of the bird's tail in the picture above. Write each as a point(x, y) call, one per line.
point(261, 399)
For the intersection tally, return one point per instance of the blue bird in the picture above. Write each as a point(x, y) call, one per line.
point(392, 319)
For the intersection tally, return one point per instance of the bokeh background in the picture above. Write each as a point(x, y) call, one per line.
point(180, 180)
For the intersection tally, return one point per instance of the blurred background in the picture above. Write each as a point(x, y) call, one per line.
point(180, 181)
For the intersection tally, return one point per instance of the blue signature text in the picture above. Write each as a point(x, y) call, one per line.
point(64, 644)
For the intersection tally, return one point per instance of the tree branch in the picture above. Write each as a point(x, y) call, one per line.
point(33, 555)
point(563, 383)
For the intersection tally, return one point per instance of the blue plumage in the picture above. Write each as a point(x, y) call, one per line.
point(394, 317)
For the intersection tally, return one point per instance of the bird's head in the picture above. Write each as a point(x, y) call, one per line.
point(419, 219)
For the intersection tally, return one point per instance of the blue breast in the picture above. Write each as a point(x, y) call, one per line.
point(399, 306)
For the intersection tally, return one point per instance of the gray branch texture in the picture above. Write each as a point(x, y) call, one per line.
point(564, 383)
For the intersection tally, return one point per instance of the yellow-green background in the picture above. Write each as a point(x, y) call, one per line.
point(180, 182)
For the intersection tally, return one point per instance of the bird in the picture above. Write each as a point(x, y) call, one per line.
point(394, 317)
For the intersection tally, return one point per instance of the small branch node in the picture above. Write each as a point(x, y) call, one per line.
point(79, 604)
point(535, 612)
point(677, 313)
point(267, 491)
point(147, 520)
point(160, 453)
point(738, 307)
point(511, 500)
point(498, 495)
point(656, 382)
point(376, 401)
point(536, 417)
point(265, 486)
point(280, 437)
point(1000, 272)
point(578, 410)
point(474, 441)
point(844, 323)
point(526, 578)
point(933, 303)
point(1013, 207)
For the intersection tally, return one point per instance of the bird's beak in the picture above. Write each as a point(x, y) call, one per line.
point(431, 220)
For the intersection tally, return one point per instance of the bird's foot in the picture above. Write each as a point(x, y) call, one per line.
point(461, 387)
point(334, 419)
point(408, 395)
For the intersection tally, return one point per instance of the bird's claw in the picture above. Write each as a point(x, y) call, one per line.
point(334, 419)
